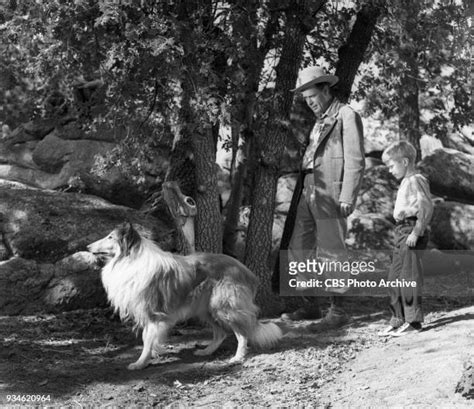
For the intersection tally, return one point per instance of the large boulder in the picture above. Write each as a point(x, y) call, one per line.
point(452, 226)
point(44, 266)
point(462, 141)
point(30, 131)
point(450, 174)
point(52, 153)
point(371, 225)
point(63, 156)
point(28, 286)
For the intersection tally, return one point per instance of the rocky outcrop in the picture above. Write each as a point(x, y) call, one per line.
point(371, 225)
point(28, 286)
point(44, 234)
point(450, 174)
point(452, 226)
point(462, 141)
point(64, 156)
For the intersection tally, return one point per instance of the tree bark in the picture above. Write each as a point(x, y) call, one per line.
point(270, 150)
point(208, 223)
point(243, 111)
point(351, 53)
point(409, 112)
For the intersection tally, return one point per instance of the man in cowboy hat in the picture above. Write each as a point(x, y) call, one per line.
point(326, 192)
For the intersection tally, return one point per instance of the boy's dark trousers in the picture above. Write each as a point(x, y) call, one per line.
point(405, 302)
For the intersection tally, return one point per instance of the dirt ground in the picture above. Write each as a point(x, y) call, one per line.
point(78, 359)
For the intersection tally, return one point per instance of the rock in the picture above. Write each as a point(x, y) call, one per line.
point(465, 385)
point(462, 141)
point(68, 153)
point(75, 284)
point(28, 287)
point(428, 144)
point(22, 284)
point(451, 226)
point(17, 155)
point(33, 130)
point(45, 233)
point(100, 132)
point(51, 153)
point(450, 174)
point(39, 128)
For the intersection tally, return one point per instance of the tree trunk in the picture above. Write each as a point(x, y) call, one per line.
point(270, 150)
point(243, 111)
point(351, 53)
point(208, 223)
point(208, 219)
point(409, 112)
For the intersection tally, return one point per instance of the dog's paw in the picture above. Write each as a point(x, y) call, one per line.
point(136, 366)
point(236, 359)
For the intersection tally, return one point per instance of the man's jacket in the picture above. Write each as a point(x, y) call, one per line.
point(338, 169)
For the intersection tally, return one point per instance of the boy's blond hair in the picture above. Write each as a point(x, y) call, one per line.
point(399, 150)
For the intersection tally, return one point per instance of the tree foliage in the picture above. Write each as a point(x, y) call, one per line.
point(436, 35)
point(170, 73)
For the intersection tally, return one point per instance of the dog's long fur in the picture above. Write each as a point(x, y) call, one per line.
point(156, 289)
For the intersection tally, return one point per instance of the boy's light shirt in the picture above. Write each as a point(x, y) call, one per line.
point(414, 200)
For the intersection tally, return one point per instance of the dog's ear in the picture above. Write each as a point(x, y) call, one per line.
point(129, 238)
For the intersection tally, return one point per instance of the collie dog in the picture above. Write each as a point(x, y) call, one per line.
point(156, 289)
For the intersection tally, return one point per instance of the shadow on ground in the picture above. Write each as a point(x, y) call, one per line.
point(67, 354)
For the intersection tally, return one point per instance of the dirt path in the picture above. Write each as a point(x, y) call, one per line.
point(79, 359)
point(418, 371)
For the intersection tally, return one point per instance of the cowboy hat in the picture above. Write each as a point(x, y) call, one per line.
point(314, 75)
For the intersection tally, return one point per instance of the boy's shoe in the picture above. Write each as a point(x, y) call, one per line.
point(393, 325)
point(407, 328)
point(387, 332)
point(396, 322)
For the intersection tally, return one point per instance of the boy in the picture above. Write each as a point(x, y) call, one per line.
point(412, 213)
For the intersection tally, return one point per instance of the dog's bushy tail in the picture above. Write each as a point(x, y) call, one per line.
point(232, 306)
point(266, 335)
